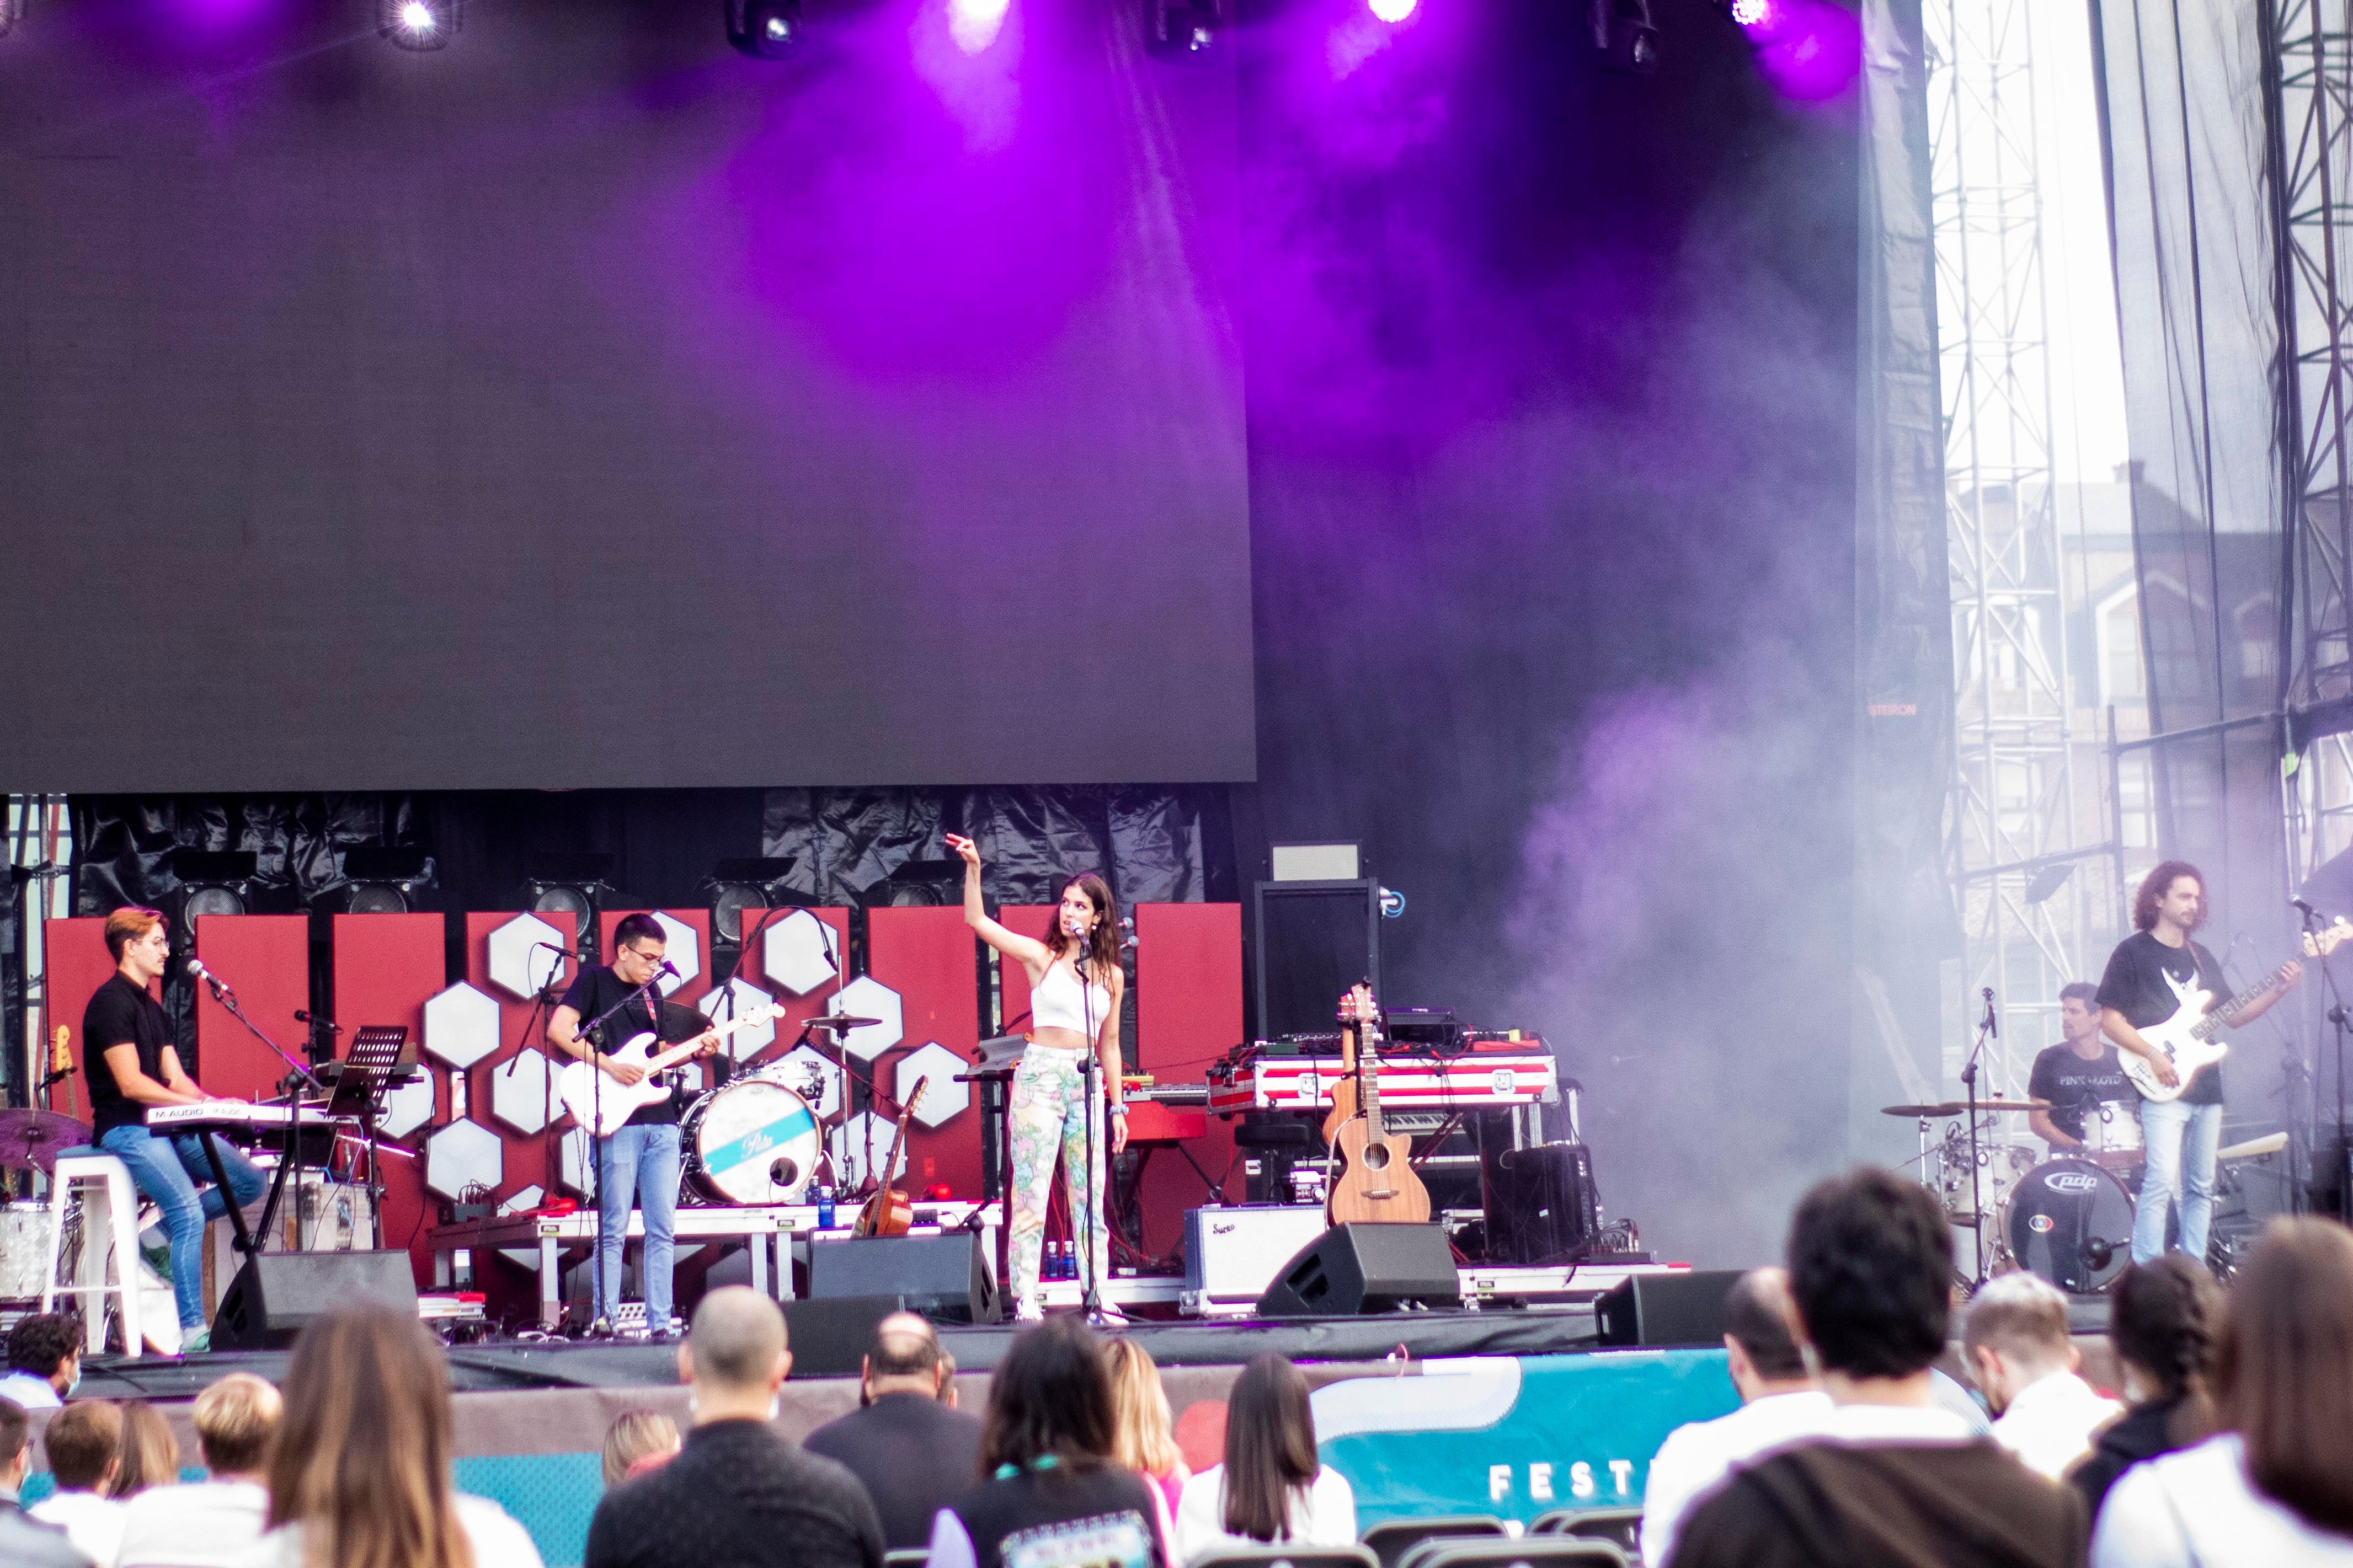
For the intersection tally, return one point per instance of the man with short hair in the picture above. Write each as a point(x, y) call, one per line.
point(640, 1159)
point(2082, 1077)
point(44, 1360)
point(913, 1451)
point(2023, 1356)
point(26, 1541)
point(737, 1496)
point(211, 1523)
point(84, 1442)
point(1779, 1403)
point(1892, 1479)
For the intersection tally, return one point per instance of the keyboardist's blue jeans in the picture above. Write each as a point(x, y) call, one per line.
point(167, 1170)
point(639, 1162)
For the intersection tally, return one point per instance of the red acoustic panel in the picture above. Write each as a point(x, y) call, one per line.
point(1012, 980)
point(75, 963)
point(1189, 987)
point(929, 957)
point(386, 968)
point(265, 959)
point(797, 1008)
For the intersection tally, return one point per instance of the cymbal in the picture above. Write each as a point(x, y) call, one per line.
point(29, 1140)
point(1999, 1104)
point(1946, 1110)
point(1961, 1107)
point(840, 1021)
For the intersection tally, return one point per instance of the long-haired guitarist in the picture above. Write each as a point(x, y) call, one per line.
point(640, 1159)
point(2149, 976)
point(1074, 991)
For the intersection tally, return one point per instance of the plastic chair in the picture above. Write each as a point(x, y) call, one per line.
point(1530, 1552)
point(1302, 1556)
point(1621, 1527)
point(1392, 1540)
point(110, 1242)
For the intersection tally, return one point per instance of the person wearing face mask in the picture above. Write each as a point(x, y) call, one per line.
point(44, 1361)
point(1074, 990)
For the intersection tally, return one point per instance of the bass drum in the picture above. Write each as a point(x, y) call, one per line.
point(2071, 1221)
point(753, 1141)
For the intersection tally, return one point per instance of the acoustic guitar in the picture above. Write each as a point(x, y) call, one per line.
point(1344, 1089)
point(888, 1212)
point(1377, 1181)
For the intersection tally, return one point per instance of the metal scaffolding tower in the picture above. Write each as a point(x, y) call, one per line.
point(2012, 829)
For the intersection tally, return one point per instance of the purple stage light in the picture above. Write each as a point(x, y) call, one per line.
point(1392, 11)
point(1753, 13)
point(419, 24)
point(974, 24)
point(417, 16)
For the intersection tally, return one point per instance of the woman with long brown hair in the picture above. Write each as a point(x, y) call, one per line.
point(150, 1452)
point(2162, 1320)
point(1075, 985)
point(359, 1471)
point(1272, 1487)
point(2276, 1485)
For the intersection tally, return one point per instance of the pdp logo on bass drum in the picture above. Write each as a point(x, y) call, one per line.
point(2072, 1181)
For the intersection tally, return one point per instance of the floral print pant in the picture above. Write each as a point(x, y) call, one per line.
point(1050, 1118)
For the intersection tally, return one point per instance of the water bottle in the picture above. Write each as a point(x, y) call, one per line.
point(824, 1206)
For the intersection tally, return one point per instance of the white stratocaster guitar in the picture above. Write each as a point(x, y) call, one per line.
point(2188, 1038)
point(576, 1085)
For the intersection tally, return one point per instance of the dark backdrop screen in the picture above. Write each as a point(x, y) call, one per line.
point(585, 404)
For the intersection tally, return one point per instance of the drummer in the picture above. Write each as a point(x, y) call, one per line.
point(2084, 1079)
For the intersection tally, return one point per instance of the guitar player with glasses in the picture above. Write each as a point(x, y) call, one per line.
point(2161, 981)
point(639, 1159)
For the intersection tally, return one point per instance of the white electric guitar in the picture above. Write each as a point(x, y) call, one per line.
point(2188, 1038)
point(603, 1108)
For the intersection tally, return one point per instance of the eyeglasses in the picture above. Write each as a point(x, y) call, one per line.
point(653, 957)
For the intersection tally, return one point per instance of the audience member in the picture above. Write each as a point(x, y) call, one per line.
point(26, 1541)
point(737, 1494)
point(2276, 1487)
point(637, 1441)
point(151, 1453)
point(1145, 1436)
point(1272, 1487)
point(912, 1451)
point(2023, 1355)
point(83, 1443)
point(1051, 1496)
point(359, 1471)
point(213, 1522)
point(44, 1360)
point(1779, 1403)
point(2162, 1319)
point(1894, 1480)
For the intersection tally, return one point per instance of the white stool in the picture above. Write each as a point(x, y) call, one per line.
point(110, 1242)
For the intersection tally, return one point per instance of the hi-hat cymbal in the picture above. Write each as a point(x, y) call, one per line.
point(1946, 1110)
point(842, 1021)
point(29, 1140)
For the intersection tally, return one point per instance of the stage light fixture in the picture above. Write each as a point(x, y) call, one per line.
point(764, 30)
point(570, 884)
point(419, 23)
point(1752, 12)
point(1625, 34)
point(735, 885)
point(1392, 11)
point(384, 880)
point(1182, 29)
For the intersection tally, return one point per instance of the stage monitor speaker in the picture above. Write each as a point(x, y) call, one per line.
point(1541, 1204)
point(1685, 1308)
point(1353, 1269)
point(945, 1277)
point(1310, 941)
point(829, 1337)
point(276, 1295)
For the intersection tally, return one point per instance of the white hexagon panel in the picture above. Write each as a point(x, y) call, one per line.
point(461, 1026)
point(943, 1098)
point(461, 1156)
point(849, 1144)
point(577, 1173)
point(520, 957)
point(522, 1090)
point(406, 1107)
point(740, 999)
point(810, 1073)
point(797, 953)
point(682, 948)
point(866, 998)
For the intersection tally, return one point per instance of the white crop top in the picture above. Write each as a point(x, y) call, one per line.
point(1055, 1002)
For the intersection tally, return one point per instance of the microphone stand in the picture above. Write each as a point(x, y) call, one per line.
point(300, 1071)
point(1987, 1029)
point(2341, 1178)
point(1091, 1298)
point(596, 1119)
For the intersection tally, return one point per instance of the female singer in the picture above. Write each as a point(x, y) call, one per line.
point(1074, 990)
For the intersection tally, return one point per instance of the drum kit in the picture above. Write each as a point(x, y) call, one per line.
point(2068, 1217)
point(756, 1139)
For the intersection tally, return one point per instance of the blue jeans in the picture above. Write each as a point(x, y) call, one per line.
point(639, 1162)
point(2183, 1139)
point(167, 1171)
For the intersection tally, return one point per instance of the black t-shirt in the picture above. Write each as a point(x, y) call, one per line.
point(595, 990)
point(2073, 1086)
point(120, 1014)
point(1061, 1517)
point(2145, 982)
point(737, 1496)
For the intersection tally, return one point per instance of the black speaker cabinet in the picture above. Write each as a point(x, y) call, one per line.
point(276, 1295)
point(1353, 1269)
point(945, 1277)
point(829, 1336)
point(1541, 1204)
point(1665, 1310)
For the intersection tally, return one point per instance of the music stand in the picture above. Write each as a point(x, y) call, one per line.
point(374, 1062)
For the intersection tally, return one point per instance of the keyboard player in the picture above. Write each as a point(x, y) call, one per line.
point(132, 1065)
